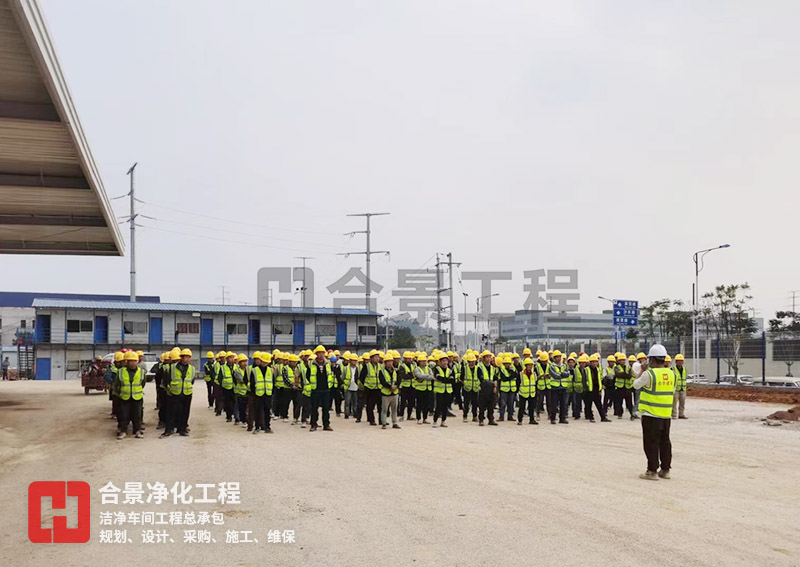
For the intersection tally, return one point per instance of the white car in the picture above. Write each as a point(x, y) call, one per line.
point(731, 380)
point(696, 379)
point(778, 382)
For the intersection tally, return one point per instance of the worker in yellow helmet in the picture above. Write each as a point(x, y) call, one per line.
point(111, 378)
point(208, 374)
point(241, 382)
point(679, 406)
point(130, 381)
point(217, 376)
point(179, 393)
point(656, 382)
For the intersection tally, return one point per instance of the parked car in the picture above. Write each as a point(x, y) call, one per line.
point(778, 382)
point(731, 380)
point(696, 379)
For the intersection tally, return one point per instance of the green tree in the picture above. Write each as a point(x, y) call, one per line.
point(664, 319)
point(785, 329)
point(724, 313)
point(401, 337)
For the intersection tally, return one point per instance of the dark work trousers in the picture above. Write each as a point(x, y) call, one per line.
point(623, 394)
point(530, 405)
point(321, 400)
point(557, 404)
point(241, 409)
point(541, 396)
point(457, 395)
point(576, 400)
point(338, 398)
point(609, 398)
point(251, 418)
point(181, 405)
point(373, 399)
point(406, 401)
point(228, 402)
point(219, 399)
point(129, 411)
point(161, 394)
point(442, 405)
point(210, 388)
point(422, 403)
point(470, 402)
point(657, 446)
point(169, 406)
point(361, 401)
point(486, 402)
point(507, 405)
point(301, 406)
point(262, 406)
point(283, 397)
point(590, 398)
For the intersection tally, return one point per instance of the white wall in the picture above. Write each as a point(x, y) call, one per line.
point(10, 318)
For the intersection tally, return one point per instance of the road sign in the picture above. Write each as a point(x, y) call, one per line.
point(625, 304)
point(626, 313)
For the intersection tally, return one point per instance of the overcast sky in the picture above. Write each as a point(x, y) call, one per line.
point(615, 138)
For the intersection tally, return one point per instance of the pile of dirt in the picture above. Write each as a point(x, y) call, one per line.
point(745, 394)
point(792, 414)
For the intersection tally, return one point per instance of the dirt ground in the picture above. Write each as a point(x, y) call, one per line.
point(550, 495)
point(746, 394)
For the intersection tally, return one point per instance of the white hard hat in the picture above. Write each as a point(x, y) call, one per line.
point(657, 351)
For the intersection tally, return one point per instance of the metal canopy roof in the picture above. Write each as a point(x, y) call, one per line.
point(48, 303)
point(52, 200)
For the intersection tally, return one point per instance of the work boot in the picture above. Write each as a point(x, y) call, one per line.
point(474, 419)
point(395, 426)
point(425, 422)
point(592, 420)
point(501, 418)
point(268, 430)
point(183, 433)
point(419, 422)
point(346, 416)
point(236, 422)
point(553, 421)
point(563, 422)
point(604, 419)
point(435, 424)
point(682, 417)
point(121, 435)
point(256, 430)
point(400, 418)
point(465, 420)
point(519, 423)
point(492, 423)
point(450, 414)
point(383, 426)
point(633, 418)
point(327, 428)
point(480, 423)
point(533, 422)
point(649, 475)
point(165, 434)
point(443, 424)
point(358, 420)
point(302, 425)
point(663, 474)
point(228, 420)
point(139, 435)
point(160, 425)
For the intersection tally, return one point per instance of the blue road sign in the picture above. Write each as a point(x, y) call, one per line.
point(625, 304)
point(626, 321)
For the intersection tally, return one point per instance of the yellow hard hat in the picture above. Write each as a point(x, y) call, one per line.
point(543, 357)
point(186, 352)
point(265, 357)
point(162, 356)
point(389, 357)
point(241, 357)
point(583, 358)
point(527, 352)
point(221, 354)
point(119, 356)
point(408, 354)
point(422, 358)
point(667, 359)
point(631, 358)
point(257, 354)
point(572, 356)
point(365, 356)
point(515, 355)
point(556, 353)
point(336, 352)
point(228, 354)
point(209, 354)
point(469, 357)
point(140, 353)
point(640, 356)
point(176, 350)
point(620, 357)
point(131, 355)
point(595, 357)
point(611, 358)
point(486, 353)
point(678, 357)
point(174, 355)
point(319, 348)
point(527, 361)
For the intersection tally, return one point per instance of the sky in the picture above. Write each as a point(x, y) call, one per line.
point(616, 138)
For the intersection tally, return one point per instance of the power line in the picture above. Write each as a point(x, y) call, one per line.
point(368, 253)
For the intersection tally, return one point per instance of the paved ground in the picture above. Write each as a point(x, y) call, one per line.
point(550, 495)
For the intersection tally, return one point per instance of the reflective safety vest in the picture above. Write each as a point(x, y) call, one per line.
point(442, 387)
point(631, 378)
point(240, 384)
point(555, 370)
point(216, 368)
point(180, 384)
point(371, 379)
point(542, 379)
point(227, 377)
point(680, 379)
point(579, 378)
point(130, 384)
point(487, 372)
point(471, 379)
point(457, 371)
point(527, 384)
point(263, 381)
point(656, 399)
point(589, 383)
point(391, 378)
point(409, 373)
point(423, 385)
point(277, 371)
point(311, 383)
point(208, 370)
point(291, 375)
point(507, 382)
point(611, 374)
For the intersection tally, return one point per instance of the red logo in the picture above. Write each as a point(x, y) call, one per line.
point(58, 491)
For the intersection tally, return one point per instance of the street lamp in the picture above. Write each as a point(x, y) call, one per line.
point(478, 309)
point(618, 329)
point(466, 342)
point(698, 267)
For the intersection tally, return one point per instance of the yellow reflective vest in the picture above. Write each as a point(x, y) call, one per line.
point(527, 384)
point(180, 383)
point(656, 399)
point(130, 384)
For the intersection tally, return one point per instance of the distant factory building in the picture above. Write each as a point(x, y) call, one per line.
point(538, 326)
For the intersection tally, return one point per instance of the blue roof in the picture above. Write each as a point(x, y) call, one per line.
point(50, 303)
point(25, 298)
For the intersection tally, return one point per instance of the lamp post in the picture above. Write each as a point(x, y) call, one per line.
point(478, 310)
point(617, 332)
point(466, 342)
point(698, 267)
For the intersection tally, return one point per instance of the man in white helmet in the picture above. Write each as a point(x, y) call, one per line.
point(656, 384)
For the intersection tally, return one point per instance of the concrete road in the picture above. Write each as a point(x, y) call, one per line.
point(549, 495)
